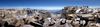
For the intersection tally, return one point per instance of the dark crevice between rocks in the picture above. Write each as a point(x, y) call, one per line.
point(6, 25)
point(35, 25)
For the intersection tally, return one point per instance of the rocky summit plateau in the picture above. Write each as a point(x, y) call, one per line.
point(70, 16)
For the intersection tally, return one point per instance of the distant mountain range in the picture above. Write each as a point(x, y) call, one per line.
point(55, 11)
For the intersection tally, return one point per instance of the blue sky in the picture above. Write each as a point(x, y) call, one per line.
point(47, 4)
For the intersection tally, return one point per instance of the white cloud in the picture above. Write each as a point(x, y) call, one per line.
point(46, 8)
point(94, 6)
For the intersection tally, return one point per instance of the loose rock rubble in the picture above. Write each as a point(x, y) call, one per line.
point(71, 16)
